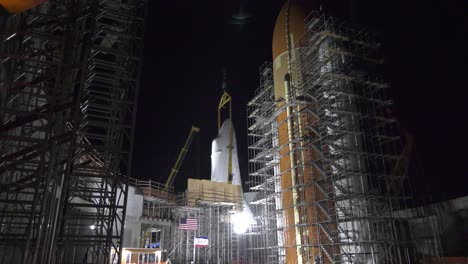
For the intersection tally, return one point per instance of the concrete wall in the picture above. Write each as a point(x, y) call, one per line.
point(132, 221)
point(440, 229)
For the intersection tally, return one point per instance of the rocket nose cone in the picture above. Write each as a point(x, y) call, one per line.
point(225, 127)
point(296, 14)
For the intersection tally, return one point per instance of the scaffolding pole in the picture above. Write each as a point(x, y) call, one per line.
point(213, 220)
point(68, 87)
point(345, 143)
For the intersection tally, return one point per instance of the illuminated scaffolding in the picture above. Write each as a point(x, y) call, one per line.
point(69, 73)
point(338, 127)
point(212, 209)
point(265, 241)
point(214, 223)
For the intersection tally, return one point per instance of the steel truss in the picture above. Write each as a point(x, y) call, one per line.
point(214, 223)
point(68, 87)
point(266, 239)
point(347, 146)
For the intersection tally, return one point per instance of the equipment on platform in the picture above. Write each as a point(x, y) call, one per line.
point(143, 255)
point(180, 158)
point(151, 238)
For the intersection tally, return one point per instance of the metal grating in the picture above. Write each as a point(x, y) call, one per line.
point(346, 146)
point(69, 79)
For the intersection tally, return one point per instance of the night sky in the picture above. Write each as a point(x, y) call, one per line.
point(187, 44)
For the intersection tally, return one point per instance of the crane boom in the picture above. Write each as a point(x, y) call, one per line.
point(227, 99)
point(180, 158)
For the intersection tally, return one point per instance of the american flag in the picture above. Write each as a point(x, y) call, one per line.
point(188, 223)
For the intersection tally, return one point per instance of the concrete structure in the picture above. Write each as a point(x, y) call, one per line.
point(133, 220)
point(440, 230)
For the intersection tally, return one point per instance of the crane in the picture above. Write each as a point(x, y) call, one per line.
point(227, 99)
point(180, 158)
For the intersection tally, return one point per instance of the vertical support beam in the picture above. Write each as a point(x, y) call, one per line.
point(76, 150)
point(292, 161)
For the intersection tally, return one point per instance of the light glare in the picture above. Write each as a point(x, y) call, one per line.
point(241, 221)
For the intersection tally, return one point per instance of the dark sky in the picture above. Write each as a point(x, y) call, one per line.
point(187, 44)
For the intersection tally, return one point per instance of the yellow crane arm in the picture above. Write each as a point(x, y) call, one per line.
point(401, 168)
point(227, 99)
point(180, 158)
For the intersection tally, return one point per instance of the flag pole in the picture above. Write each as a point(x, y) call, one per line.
point(194, 235)
point(194, 238)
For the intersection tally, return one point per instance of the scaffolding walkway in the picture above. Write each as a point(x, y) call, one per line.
point(346, 144)
point(69, 73)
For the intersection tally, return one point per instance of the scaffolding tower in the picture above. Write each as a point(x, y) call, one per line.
point(213, 223)
point(211, 205)
point(338, 127)
point(69, 75)
point(265, 242)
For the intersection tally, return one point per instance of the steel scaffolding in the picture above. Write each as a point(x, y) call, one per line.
point(69, 73)
point(338, 127)
point(265, 241)
point(211, 206)
point(214, 223)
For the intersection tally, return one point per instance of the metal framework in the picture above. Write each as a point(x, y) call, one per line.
point(213, 222)
point(157, 215)
point(346, 148)
point(265, 242)
point(69, 75)
point(163, 210)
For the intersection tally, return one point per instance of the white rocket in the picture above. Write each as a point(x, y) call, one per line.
point(220, 156)
point(219, 171)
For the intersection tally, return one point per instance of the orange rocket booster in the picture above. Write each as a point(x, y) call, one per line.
point(18, 6)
